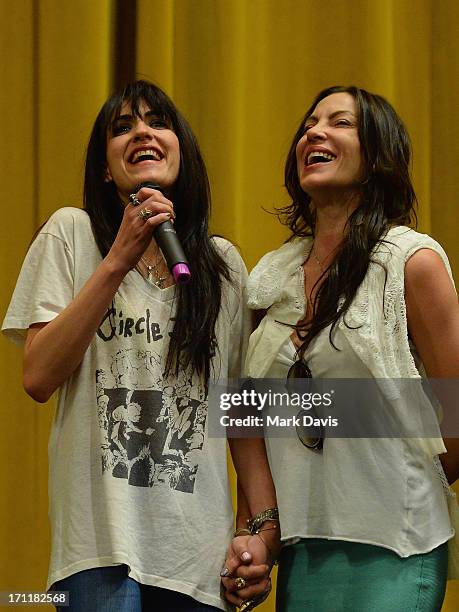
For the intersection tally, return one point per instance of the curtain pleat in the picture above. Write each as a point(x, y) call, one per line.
point(55, 73)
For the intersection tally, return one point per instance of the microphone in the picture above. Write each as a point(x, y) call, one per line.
point(167, 239)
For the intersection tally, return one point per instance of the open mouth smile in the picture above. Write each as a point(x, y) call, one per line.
point(146, 155)
point(319, 157)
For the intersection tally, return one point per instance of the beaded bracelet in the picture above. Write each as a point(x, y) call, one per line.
point(254, 523)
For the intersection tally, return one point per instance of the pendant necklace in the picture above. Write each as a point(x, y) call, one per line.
point(309, 301)
point(153, 275)
point(319, 263)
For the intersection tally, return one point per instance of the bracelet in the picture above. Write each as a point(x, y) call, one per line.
point(241, 531)
point(266, 529)
point(254, 523)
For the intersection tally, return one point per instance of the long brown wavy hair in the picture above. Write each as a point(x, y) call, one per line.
point(387, 199)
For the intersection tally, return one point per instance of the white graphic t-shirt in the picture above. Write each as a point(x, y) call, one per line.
point(134, 478)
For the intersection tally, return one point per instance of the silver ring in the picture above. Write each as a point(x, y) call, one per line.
point(145, 214)
point(134, 199)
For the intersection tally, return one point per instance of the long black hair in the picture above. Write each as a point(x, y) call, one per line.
point(387, 198)
point(198, 303)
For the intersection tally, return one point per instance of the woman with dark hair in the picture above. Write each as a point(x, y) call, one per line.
point(355, 293)
point(139, 500)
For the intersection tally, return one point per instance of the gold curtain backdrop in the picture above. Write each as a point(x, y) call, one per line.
point(243, 72)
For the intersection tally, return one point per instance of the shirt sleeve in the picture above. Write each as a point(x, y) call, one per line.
point(234, 305)
point(241, 325)
point(427, 242)
point(45, 285)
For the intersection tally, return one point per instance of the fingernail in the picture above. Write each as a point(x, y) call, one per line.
point(246, 556)
point(224, 572)
point(168, 215)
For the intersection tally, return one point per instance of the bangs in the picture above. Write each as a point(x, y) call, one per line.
point(142, 92)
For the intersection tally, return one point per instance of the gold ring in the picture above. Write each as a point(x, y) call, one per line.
point(240, 583)
point(145, 214)
point(249, 604)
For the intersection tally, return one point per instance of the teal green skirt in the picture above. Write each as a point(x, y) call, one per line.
point(318, 575)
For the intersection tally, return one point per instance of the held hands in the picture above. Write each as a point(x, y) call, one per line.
point(139, 221)
point(245, 577)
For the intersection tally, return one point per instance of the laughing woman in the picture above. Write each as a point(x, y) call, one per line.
point(355, 293)
point(139, 500)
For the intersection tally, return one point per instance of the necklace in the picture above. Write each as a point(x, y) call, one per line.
point(319, 263)
point(317, 260)
point(154, 276)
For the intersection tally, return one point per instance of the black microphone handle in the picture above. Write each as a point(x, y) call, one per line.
point(167, 239)
point(169, 243)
